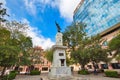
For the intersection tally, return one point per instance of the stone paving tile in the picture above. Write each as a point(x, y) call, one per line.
point(76, 77)
point(26, 77)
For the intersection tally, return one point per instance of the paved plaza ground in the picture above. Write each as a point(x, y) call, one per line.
point(76, 76)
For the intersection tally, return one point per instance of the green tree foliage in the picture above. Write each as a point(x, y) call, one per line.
point(49, 54)
point(83, 49)
point(68, 60)
point(13, 42)
point(118, 57)
point(75, 38)
point(97, 53)
point(5, 36)
point(24, 44)
point(3, 13)
point(36, 55)
point(16, 27)
point(19, 38)
point(113, 44)
point(81, 57)
point(12, 47)
point(8, 53)
point(73, 35)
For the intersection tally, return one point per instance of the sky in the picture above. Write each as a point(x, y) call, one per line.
point(41, 15)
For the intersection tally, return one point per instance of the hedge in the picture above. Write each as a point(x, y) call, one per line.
point(35, 72)
point(4, 77)
point(11, 76)
point(109, 73)
point(83, 72)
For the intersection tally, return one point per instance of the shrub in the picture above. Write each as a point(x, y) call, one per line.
point(35, 72)
point(111, 73)
point(4, 77)
point(13, 71)
point(83, 72)
point(11, 76)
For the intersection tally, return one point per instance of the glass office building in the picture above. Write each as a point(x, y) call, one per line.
point(98, 15)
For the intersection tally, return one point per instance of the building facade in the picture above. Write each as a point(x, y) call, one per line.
point(38, 61)
point(101, 17)
point(98, 15)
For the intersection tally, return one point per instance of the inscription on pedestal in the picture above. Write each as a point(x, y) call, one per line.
point(63, 70)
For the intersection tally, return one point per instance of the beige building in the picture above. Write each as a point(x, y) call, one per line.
point(39, 62)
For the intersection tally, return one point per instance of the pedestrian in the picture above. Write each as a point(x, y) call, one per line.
point(41, 79)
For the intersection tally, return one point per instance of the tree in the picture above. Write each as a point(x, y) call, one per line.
point(36, 55)
point(96, 52)
point(83, 48)
point(118, 58)
point(11, 46)
point(49, 54)
point(21, 40)
point(13, 42)
point(8, 57)
point(24, 44)
point(3, 13)
point(8, 53)
point(75, 38)
point(81, 57)
point(73, 35)
point(5, 36)
point(113, 44)
point(16, 28)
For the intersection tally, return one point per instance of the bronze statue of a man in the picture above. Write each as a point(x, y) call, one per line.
point(58, 27)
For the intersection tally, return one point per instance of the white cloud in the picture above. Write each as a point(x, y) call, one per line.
point(65, 7)
point(25, 21)
point(37, 38)
point(33, 5)
point(31, 8)
point(3, 1)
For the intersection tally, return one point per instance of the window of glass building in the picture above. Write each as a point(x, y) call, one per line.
point(105, 43)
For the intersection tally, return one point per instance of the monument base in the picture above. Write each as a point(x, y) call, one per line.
point(59, 72)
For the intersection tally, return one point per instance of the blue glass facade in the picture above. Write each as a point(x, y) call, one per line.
point(98, 15)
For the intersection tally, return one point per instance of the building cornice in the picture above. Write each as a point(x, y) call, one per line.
point(78, 6)
point(111, 29)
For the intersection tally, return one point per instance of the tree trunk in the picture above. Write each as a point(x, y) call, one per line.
point(82, 67)
point(95, 68)
point(3, 71)
point(94, 65)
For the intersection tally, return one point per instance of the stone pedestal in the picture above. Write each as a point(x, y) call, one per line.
point(59, 67)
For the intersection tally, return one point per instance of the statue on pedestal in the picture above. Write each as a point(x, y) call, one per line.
point(58, 27)
point(59, 68)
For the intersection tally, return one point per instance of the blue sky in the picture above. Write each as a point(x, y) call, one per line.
point(40, 16)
